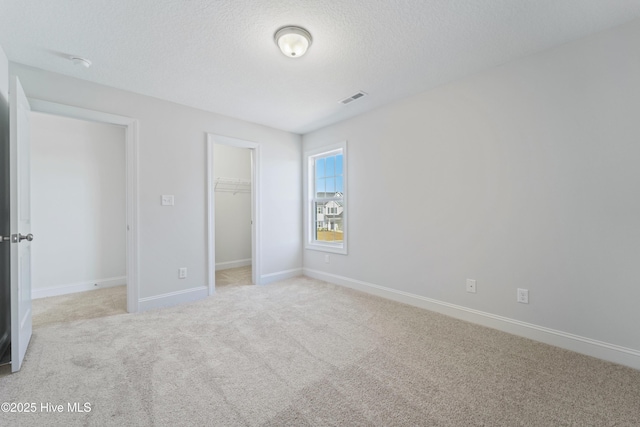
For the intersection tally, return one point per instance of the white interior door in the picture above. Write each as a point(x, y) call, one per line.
point(20, 212)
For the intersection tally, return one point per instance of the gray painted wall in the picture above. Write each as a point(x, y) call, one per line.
point(172, 160)
point(524, 176)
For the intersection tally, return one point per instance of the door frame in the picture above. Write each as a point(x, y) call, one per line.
point(256, 252)
point(132, 181)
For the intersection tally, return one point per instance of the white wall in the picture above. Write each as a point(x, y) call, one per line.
point(78, 204)
point(232, 211)
point(523, 176)
point(172, 160)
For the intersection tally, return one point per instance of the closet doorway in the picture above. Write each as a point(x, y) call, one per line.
point(233, 188)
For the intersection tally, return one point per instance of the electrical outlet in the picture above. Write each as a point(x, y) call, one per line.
point(167, 200)
point(182, 273)
point(523, 296)
point(471, 286)
point(327, 259)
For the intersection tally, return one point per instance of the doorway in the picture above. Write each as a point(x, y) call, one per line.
point(233, 181)
point(232, 216)
point(130, 225)
point(78, 196)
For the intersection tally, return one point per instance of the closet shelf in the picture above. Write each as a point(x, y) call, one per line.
point(232, 185)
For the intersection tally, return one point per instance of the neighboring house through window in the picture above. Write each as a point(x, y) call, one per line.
point(326, 174)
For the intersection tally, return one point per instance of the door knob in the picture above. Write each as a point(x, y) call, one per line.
point(29, 237)
point(15, 238)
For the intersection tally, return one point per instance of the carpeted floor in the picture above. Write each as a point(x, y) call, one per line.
point(233, 277)
point(82, 305)
point(109, 301)
point(302, 352)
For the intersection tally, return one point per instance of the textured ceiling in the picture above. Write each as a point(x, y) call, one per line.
point(219, 55)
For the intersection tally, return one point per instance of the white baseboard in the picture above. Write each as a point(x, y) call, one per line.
point(280, 275)
point(173, 298)
point(590, 347)
point(232, 264)
point(78, 287)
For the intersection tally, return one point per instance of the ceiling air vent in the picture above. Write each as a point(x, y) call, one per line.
point(353, 98)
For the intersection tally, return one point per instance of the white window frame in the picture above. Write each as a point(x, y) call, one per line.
point(309, 190)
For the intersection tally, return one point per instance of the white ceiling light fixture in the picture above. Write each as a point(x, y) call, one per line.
point(77, 60)
point(293, 41)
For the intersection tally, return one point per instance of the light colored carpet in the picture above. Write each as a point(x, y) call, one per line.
point(303, 353)
point(109, 301)
point(82, 305)
point(240, 276)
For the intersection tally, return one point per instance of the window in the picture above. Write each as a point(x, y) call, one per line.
point(326, 173)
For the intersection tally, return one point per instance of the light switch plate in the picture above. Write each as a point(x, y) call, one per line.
point(167, 200)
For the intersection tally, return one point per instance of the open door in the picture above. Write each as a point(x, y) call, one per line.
point(20, 213)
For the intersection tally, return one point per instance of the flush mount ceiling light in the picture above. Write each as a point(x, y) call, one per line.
point(77, 60)
point(293, 41)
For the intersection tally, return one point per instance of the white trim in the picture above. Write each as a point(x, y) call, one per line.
point(133, 215)
point(233, 264)
point(602, 350)
point(256, 245)
point(77, 112)
point(309, 243)
point(173, 298)
point(89, 285)
point(280, 275)
point(211, 228)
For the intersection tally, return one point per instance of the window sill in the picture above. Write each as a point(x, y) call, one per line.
point(335, 249)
